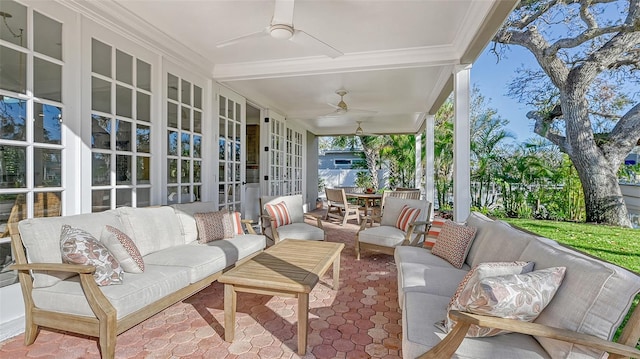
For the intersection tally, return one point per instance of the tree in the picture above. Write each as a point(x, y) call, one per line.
point(599, 43)
point(400, 156)
point(443, 154)
point(371, 146)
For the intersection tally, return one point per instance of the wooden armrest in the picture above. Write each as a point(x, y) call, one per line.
point(248, 225)
point(317, 217)
point(465, 319)
point(59, 267)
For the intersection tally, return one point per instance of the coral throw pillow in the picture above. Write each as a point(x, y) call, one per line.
point(236, 222)
point(434, 231)
point(80, 247)
point(454, 242)
point(123, 249)
point(474, 276)
point(279, 213)
point(213, 226)
point(517, 296)
point(407, 216)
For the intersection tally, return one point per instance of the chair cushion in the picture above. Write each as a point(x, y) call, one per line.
point(237, 222)
point(123, 249)
point(299, 231)
point(279, 214)
point(388, 236)
point(213, 226)
point(407, 216)
point(453, 243)
point(80, 247)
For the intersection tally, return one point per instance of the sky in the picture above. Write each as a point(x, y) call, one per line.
point(493, 77)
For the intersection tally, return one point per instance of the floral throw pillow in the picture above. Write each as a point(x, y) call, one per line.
point(462, 295)
point(80, 247)
point(123, 249)
point(213, 226)
point(519, 296)
point(454, 242)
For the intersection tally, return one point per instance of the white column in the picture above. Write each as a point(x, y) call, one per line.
point(429, 180)
point(419, 170)
point(461, 143)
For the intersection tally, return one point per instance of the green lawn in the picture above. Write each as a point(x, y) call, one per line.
point(620, 246)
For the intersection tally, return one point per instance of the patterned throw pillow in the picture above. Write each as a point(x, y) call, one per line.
point(454, 242)
point(407, 216)
point(434, 231)
point(123, 249)
point(279, 213)
point(520, 297)
point(236, 222)
point(213, 226)
point(80, 247)
point(474, 276)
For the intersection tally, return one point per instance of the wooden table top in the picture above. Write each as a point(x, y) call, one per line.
point(291, 265)
point(365, 195)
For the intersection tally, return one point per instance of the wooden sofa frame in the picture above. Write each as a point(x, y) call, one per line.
point(105, 326)
point(624, 348)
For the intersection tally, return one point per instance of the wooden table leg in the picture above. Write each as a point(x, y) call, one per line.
point(303, 322)
point(336, 273)
point(229, 312)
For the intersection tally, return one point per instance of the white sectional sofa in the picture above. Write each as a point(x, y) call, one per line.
point(66, 296)
point(593, 299)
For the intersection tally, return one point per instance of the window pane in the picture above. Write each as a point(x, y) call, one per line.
point(123, 101)
point(7, 201)
point(223, 106)
point(143, 197)
point(123, 135)
point(197, 146)
point(143, 138)
point(100, 200)
point(196, 193)
point(100, 95)
point(196, 171)
point(172, 147)
point(186, 195)
point(101, 169)
point(197, 97)
point(143, 170)
point(100, 58)
point(100, 132)
point(123, 169)
point(13, 114)
point(172, 194)
point(185, 171)
point(47, 38)
point(143, 75)
point(47, 165)
point(123, 197)
point(221, 169)
point(186, 92)
point(172, 173)
point(143, 107)
point(172, 115)
point(185, 119)
point(47, 125)
point(185, 143)
point(172, 87)
point(13, 166)
point(16, 24)
point(13, 76)
point(124, 68)
point(197, 121)
point(237, 114)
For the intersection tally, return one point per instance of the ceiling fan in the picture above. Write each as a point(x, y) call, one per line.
point(341, 108)
point(281, 28)
point(360, 131)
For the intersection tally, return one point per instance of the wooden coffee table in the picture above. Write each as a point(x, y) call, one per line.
point(291, 268)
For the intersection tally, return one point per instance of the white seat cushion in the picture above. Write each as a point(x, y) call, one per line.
point(388, 236)
point(299, 231)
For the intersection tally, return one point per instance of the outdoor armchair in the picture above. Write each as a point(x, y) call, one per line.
point(286, 219)
point(403, 222)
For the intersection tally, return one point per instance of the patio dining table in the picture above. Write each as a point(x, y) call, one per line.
point(369, 199)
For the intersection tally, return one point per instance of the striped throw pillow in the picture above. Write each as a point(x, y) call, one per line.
point(279, 213)
point(407, 216)
point(237, 224)
point(434, 231)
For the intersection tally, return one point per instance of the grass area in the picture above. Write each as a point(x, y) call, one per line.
point(620, 246)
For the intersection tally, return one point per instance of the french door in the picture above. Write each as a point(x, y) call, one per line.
point(231, 149)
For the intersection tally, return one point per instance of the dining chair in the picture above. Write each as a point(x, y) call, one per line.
point(403, 222)
point(338, 207)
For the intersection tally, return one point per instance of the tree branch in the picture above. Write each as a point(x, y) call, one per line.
point(543, 128)
point(587, 35)
point(527, 20)
point(625, 134)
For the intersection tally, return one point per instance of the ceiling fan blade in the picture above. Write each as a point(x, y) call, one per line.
point(283, 13)
point(253, 35)
point(359, 111)
point(304, 39)
point(334, 106)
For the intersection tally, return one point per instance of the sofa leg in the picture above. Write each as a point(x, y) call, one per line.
point(31, 331)
point(108, 337)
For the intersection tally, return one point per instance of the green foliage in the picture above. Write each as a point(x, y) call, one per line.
point(399, 155)
point(364, 180)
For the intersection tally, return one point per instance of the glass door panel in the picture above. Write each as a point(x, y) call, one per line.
point(231, 150)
